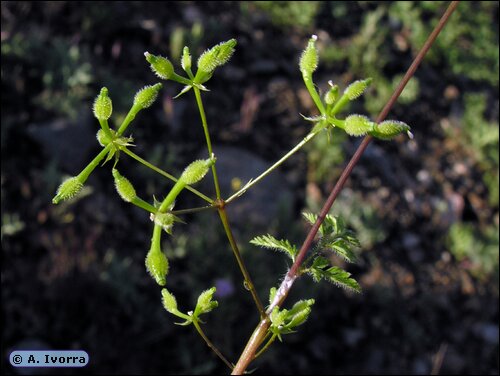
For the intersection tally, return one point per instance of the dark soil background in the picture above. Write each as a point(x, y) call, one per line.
point(426, 210)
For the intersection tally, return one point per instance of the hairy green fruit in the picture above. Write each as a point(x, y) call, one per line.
point(157, 265)
point(147, 95)
point(169, 301)
point(123, 186)
point(358, 125)
point(389, 129)
point(103, 107)
point(357, 88)
point(216, 56)
point(309, 58)
point(68, 189)
point(196, 171)
point(160, 65)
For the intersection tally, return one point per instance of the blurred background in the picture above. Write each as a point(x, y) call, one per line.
point(425, 210)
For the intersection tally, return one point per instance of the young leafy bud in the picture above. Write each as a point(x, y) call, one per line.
point(103, 138)
point(103, 106)
point(309, 58)
point(68, 189)
point(216, 56)
point(147, 95)
point(357, 88)
point(160, 65)
point(186, 59)
point(196, 171)
point(123, 186)
point(157, 265)
point(169, 301)
point(332, 94)
point(389, 129)
point(358, 125)
point(165, 220)
point(205, 303)
point(272, 294)
point(299, 317)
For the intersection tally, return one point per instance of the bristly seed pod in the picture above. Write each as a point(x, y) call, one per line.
point(196, 171)
point(358, 125)
point(160, 65)
point(389, 129)
point(103, 107)
point(68, 189)
point(124, 187)
point(332, 94)
point(147, 95)
point(186, 59)
point(157, 266)
point(309, 58)
point(357, 88)
point(169, 301)
point(216, 56)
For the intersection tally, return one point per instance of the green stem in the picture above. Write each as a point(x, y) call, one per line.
point(166, 174)
point(156, 239)
point(339, 105)
point(193, 210)
point(247, 280)
point(180, 79)
point(172, 195)
point(94, 163)
point(313, 93)
point(272, 168)
point(207, 137)
point(128, 119)
point(105, 128)
point(211, 345)
point(266, 346)
point(137, 201)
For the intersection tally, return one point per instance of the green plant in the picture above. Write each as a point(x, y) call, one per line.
point(334, 237)
point(477, 249)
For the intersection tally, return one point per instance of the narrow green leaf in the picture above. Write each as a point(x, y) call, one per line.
point(269, 241)
point(341, 278)
point(341, 248)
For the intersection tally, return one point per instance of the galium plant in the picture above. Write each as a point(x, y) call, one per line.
point(333, 236)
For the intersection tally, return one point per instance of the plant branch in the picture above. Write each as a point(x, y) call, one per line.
point(211, 345)
point(193, 210)
point(222, 212)
point(260, 331)
point(247, 280)
point(252, 182)
point(166, 174)
point(207, 138)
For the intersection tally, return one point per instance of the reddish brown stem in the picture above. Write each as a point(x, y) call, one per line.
point(260, 331)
